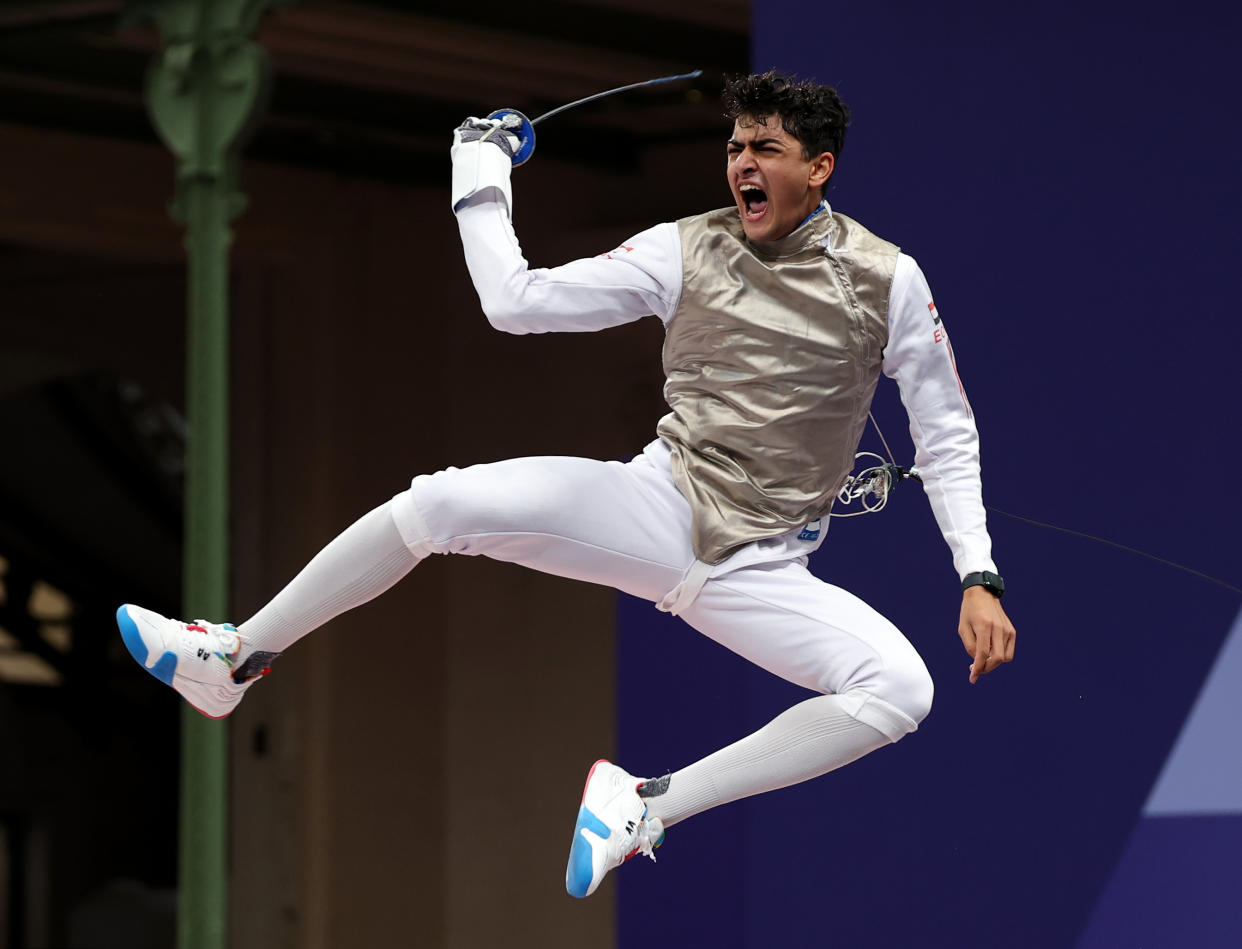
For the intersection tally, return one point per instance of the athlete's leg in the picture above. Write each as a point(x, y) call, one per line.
point(606, 522)
point(785, 620)
point(623, 525)
point(212, 664)
point(362, 562)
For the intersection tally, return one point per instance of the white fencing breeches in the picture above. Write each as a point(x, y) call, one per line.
point(625, 525)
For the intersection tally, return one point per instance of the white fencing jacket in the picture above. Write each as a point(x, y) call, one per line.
point(643, 276)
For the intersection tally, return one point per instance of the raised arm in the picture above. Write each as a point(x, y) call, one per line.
point(639, 278)
point(946, 451)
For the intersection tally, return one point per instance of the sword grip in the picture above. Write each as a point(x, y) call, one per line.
point(525, 133)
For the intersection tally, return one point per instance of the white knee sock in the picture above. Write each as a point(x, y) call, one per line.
point(360, 564)
point(808, 740)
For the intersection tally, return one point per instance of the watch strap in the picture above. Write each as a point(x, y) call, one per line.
point(992, 582)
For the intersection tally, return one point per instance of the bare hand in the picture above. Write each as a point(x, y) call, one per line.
point(986, 631)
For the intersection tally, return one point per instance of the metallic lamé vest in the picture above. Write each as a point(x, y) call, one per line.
point(771, 360)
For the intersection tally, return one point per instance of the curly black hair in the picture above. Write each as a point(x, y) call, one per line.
point(811, 113)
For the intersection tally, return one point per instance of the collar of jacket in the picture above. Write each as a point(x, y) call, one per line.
point(813, 229)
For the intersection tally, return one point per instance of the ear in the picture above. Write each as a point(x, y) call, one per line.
point(820, 169)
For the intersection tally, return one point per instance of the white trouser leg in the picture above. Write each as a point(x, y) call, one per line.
point(627, 526)
point(783, 619)
point(620, 525)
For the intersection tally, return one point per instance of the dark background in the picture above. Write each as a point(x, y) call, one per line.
point(1066, 177)
point(364, 777)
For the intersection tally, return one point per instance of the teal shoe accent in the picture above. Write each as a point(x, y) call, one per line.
point(129, 633)
point(164, 669)
point(167, 664)
point(581, 868)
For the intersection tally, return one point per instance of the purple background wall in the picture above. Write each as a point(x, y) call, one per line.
point(1067, 177)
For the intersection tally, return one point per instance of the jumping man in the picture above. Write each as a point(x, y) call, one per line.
point(779, 314)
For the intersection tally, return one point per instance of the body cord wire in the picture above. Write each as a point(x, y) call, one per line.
point(1066, 530)
point(1113, 543)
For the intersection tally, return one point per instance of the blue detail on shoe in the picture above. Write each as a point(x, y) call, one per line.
point(581, 869)
point(164, 669)
point(129, 633)
point(167, 664)
point(811, 531)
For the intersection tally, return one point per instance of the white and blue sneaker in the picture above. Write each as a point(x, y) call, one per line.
point(199, 659)
point(612, 827)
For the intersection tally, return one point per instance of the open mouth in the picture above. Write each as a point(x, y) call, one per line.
point(754, 201)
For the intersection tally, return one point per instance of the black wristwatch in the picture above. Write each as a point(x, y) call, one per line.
point(994, 583)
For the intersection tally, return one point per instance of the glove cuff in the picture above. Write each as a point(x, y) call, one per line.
point(479, 165)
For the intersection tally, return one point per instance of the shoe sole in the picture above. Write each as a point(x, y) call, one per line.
point(581, 870)
point(165, 667)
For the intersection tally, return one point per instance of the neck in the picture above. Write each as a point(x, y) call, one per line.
point(811, 212)
point(809, 232)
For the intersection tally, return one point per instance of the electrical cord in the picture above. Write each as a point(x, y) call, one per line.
point(872, 486)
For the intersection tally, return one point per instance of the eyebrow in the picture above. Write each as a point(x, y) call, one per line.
point(734, 143)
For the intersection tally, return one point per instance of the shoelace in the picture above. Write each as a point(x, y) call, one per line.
point(226, 639)
point(229, 642)
point(648, 835)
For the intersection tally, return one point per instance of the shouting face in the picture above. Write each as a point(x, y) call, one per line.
point(774, 184)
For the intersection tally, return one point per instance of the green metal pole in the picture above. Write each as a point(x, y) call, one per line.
point(205, 93)
point(203, 841)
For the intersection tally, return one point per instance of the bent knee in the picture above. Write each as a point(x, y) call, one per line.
point(439, 508)
point(407, 514)
point(898, 695)
point(911, 690)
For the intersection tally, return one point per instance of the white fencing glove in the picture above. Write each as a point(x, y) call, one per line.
point(477, 165)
